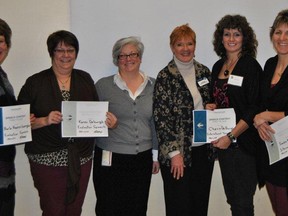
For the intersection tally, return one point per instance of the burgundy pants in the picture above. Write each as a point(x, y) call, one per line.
point(51, 183)
point(279, 199)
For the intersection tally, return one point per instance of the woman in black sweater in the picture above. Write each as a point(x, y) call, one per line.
point(7, 153)
point(274, 105)
point(235, 84)
point(60, 167)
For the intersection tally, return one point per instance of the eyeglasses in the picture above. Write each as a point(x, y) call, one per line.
point(63, 51)
point(131, 56)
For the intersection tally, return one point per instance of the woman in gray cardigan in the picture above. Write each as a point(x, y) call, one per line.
point(123, 161)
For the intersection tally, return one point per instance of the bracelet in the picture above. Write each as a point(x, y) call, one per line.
point(231, 137)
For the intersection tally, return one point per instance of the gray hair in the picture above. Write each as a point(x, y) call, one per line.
point(124, 41)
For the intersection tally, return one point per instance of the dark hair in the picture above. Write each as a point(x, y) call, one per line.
point(6, 32)
point(249, 44)
point(282, 18)
point(62, 36)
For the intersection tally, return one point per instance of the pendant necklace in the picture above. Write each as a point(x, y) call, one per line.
point(227, 70)
point(279, 74)
point(63, 83)
point(280, 69)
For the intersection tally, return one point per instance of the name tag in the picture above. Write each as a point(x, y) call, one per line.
point(106, 158)
point(203, 82)
point(235, 80)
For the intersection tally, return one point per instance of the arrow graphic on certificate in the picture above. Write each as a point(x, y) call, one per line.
point(200, 125)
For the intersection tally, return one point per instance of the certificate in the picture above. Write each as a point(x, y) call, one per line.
point(84, 119)
point(210, 125)
point(15, 125)
point(278, 147)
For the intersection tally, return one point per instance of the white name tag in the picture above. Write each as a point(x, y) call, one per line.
point(235, 80)
point(106, 158)
point(203, 82)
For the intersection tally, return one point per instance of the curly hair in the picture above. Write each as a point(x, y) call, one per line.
point(249, 44)
point(282, 18)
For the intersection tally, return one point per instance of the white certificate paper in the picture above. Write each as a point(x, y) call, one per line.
point(15, 125)
point(84, 119)
point(210, 125)
point(278, 147)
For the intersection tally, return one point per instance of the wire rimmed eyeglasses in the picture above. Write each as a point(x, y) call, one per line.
point(125, 56)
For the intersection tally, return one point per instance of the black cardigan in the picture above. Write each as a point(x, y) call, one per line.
point(244, 99)
point(274, 99)
point(42, 92)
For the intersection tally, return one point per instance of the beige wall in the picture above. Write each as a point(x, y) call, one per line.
point(31, 22)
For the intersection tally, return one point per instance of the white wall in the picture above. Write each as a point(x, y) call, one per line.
point(31, 22)
point(98, 24)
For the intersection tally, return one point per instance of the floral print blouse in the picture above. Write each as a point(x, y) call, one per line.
point(173, 110)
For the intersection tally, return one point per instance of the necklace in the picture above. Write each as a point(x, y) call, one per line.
point(228, 67)
point(280, 69)
point(279, 74)
point(63, 83)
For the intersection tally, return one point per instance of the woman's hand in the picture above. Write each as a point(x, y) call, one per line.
point(264, 131)
point(210, 106)
point(54, 117)
point(263, 127)
point(258, 120)
point(111, 120)
point(177, 166)
point(32, 119)
point(156, 167)
point(222, 143)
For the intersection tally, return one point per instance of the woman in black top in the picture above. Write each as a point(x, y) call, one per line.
point(235, 84)
point(60, 167)
point(274, 106)
point(7, 153)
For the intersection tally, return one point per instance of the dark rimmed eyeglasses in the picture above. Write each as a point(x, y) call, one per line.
point(125, 56)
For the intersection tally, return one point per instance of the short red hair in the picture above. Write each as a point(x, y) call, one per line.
point(183, 31)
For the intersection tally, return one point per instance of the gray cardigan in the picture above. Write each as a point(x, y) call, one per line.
point(135, 132)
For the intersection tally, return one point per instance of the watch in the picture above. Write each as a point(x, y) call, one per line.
point(231, 137)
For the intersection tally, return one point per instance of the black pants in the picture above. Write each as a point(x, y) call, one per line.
point(7, 201)
point(238, 170)
point(123, 188)
point(189, 196)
